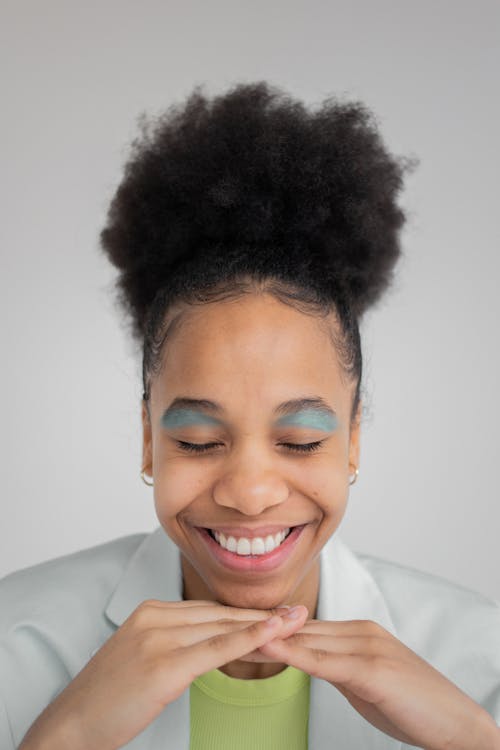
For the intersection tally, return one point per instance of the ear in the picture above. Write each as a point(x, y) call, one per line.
point(354, 438)
point(147, 441)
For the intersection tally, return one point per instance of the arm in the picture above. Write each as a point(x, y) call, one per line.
point(388, 684)
point(150, 660)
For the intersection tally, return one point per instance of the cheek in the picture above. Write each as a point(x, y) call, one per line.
point(176, 486)
point(328, 489)
point(324, 483)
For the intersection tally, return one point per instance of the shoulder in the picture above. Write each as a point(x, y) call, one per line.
point(414, 596)
point(454, 628)
point(52, 620)
point(78, 582)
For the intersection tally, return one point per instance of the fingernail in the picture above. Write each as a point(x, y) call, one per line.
point(293, 613)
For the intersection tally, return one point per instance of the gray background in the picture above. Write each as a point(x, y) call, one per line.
point(77, 75)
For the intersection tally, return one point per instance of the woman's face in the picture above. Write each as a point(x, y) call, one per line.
point(250, 380)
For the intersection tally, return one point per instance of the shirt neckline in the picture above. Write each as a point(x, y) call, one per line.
point(257, 692)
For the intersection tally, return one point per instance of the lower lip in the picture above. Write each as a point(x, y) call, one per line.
point(253, 563)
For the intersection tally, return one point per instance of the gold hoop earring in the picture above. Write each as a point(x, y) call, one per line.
point(150, 484)
point(354, 476)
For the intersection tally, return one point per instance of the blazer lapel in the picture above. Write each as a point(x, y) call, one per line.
point(347, 592)
point(154, 572)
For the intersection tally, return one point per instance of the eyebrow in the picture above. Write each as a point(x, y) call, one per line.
point(311, 403)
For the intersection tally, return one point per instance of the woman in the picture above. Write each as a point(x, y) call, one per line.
point(251, 236)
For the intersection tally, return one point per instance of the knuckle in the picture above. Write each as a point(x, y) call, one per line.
point(217, 642)
point(226, 624)
point(138, 619)
point(374, 628)
point(372, 644)
point(146, 606)
point(149, 603)
point(141, 616)
point(301, 639)
point(319, 654)
point(255, 628)
point(369, 627)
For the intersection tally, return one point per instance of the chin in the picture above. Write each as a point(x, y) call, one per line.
point(252, 598)
point(250, 602)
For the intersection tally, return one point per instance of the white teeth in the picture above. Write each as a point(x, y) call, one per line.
point(258, 546)
point(269, 543)
point(243, 547)
point(231, 544)
point(255, 546)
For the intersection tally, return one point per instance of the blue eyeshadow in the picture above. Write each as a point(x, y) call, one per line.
point(186, 417)
point(311, 418)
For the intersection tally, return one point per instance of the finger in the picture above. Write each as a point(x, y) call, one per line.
point(355, 645)
point(178, 604)
point(188, 603)
point(292, 622)
point(181, 636)
point(235, 613)
point(346, 628)
point(223, 648)
point(155, 613)
point(368, 647)
point(366, 677)
point(185, 636)
point(339, 668)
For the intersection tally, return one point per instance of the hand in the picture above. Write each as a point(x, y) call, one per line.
point(150, 660)
point(388, 684)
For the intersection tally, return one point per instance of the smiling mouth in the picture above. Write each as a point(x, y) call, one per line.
point(256, 546)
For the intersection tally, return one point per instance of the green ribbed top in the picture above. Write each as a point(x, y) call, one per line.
point(268, 714)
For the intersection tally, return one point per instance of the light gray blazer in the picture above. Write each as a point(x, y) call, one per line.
point(55, 615)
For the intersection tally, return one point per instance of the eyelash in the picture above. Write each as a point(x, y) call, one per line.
point(293, 447)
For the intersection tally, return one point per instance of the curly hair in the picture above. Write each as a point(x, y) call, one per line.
point(248, 190)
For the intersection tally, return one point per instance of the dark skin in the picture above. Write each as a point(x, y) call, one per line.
point(254, 665)
point(274, 353)
point(250, 356)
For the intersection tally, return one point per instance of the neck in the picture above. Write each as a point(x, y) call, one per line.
point(247, 670)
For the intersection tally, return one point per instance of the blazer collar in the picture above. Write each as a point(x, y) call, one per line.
point(153, 572)
point(347, 592)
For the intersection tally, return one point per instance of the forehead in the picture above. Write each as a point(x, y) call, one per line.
point(254, 348)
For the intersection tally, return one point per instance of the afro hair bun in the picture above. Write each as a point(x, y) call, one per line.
point(253, 168)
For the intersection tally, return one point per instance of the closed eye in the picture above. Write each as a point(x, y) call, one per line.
point(203, 447)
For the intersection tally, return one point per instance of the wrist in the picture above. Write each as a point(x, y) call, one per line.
point(485, 735)
point(492, 735)
point(47, 735)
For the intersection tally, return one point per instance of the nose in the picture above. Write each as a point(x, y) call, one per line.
point(250, 489)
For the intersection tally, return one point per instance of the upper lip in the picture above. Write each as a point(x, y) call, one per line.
point(249, 532)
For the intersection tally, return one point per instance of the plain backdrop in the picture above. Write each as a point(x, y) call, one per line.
point(76, 77)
